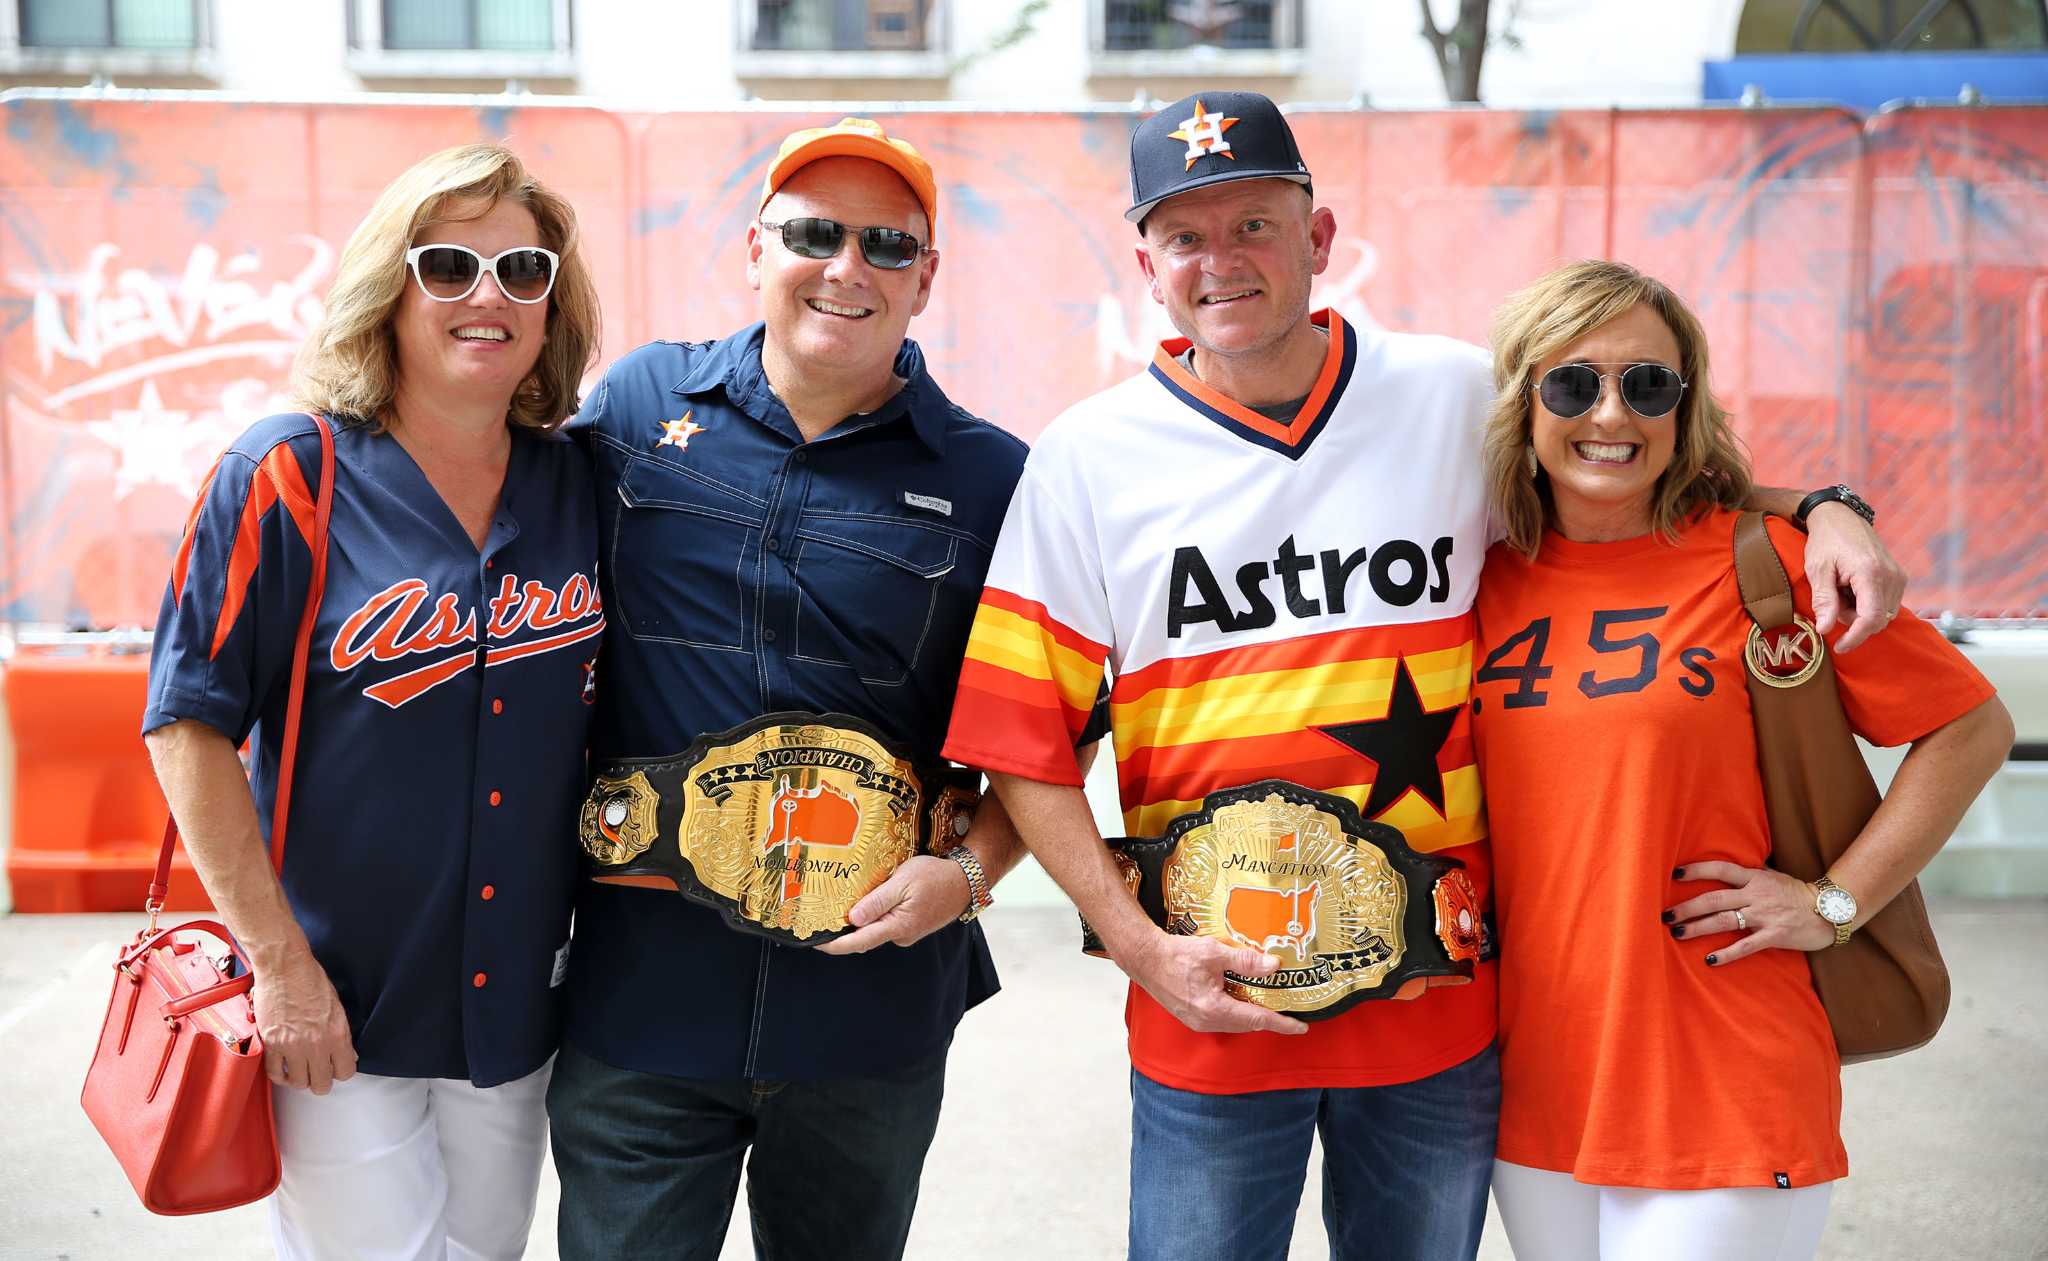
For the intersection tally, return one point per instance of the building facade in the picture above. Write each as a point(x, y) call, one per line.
point(998, 53)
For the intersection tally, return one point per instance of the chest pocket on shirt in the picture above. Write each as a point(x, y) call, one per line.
point(676, 556)
point(869, 592)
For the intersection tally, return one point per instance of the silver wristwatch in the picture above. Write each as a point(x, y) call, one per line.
point(978, 898)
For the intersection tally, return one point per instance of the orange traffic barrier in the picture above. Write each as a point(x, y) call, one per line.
point(87, 814)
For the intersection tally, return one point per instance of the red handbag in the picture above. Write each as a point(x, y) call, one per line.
point(177, 1087)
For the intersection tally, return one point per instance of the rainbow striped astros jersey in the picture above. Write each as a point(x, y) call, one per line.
point(1272, 600)
point(1270, 603)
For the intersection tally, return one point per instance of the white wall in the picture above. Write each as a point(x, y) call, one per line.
point(676, 55)
point(292, 49)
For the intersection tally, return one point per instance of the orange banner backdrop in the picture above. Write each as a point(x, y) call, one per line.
point(1876, 291)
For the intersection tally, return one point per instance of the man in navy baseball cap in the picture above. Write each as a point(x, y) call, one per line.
point(1232, 240)
point(1265, 429)
point(1210, 138)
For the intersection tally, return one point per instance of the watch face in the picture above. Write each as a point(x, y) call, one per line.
point(1836, 906)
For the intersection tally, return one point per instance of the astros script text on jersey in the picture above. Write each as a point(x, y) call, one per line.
point(429, 854)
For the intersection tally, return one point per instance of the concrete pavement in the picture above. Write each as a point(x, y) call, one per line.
point(1948, 1146)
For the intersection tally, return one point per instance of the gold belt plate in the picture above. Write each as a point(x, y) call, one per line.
point(797, 822)
point(1286, 878)
point(785, 825)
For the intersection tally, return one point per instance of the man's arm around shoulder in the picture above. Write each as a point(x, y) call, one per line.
point(1851, 571)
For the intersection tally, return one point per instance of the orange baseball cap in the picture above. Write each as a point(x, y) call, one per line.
point(856, 138)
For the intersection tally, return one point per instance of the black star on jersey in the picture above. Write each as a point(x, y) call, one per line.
point(1403, 745)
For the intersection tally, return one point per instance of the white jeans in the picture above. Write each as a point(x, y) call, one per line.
point(1550, 1217)
point(408, 1169)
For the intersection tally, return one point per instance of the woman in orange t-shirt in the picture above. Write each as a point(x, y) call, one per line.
point(1670, 1087)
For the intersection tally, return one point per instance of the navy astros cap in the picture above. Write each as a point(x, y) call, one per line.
point(1210, 138)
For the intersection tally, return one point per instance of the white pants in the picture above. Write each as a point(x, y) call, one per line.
point(408, 1169)
point(1550, 1217)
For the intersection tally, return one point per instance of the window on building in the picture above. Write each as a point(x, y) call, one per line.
point(461, 39)
point(1864, 26)
point(842, 25)
point(481, 25)
point(138, 25)
point(1169, 25)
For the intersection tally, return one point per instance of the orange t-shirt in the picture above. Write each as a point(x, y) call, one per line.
point(1614, 741)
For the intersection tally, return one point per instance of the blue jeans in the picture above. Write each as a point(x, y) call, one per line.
point(1405, 1168)
point(650, 1164)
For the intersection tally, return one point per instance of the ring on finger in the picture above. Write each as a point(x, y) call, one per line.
point(1741, 921)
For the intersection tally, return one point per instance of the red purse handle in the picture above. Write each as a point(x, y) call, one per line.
point(197, 999)
point(323, 502)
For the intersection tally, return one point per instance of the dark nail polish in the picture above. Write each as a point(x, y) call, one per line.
point(1678, 873)
point(1668, 916)
point(1678, 930)
point(1712, 960)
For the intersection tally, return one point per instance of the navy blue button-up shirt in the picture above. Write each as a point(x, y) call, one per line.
point(747, 571)
point(441, 743)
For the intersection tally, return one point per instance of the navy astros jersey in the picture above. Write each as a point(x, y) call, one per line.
point(430, 853)
point(748, 571)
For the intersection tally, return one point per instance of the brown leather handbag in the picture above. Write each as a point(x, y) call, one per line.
point(177, 1087)
point(1886, 990)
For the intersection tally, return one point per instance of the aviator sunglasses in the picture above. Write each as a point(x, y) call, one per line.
point(450, 273)
point(1571, 390)
point(886, 248)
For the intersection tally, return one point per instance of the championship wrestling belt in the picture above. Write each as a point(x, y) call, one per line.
point(1352, 912)
point(780, 824)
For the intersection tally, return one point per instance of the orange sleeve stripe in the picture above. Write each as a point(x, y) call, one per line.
point(995, 732)
point(1008, 685)
point(183, 562)
point(1033, 611)
point(1006, 641)
point(1360, 644)
point(277, 479)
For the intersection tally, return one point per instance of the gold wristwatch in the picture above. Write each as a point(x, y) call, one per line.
point(1836, 905)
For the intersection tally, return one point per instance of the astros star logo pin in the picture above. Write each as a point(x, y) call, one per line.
point(1204, 134)
point(677, 433)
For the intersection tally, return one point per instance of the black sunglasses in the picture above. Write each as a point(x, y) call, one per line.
point(1573, 389)
point(886, 248)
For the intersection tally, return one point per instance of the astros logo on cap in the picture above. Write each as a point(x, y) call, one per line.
point(1204, 134)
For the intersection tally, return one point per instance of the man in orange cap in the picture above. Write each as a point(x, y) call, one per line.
point(796, 524)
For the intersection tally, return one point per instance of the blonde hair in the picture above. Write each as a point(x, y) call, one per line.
point(1708, 465)
point(349, 365)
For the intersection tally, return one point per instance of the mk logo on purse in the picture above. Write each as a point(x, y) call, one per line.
point(1784, 656)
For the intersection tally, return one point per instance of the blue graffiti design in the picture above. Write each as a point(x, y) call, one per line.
point(204, 202)
point(659, 215)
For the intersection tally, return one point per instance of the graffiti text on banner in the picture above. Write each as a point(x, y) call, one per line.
point(1875, 291)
